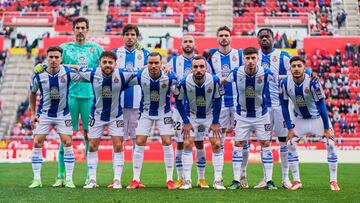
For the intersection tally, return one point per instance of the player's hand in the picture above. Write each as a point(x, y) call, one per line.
point(329, 135)
point(39, 68)
point(215, 128)
point(185, 131)
point(138, 46)
point(33, 120)
point(314, 77)
point(291, 134)
point(223, 80)
point(166, 69)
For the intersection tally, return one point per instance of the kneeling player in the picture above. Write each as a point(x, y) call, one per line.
point(201, 90)
point(311, 117)
point(107, 83)
point(52, 110)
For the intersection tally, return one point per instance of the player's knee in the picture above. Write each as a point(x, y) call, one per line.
point(67, 141)
point(93, 147)
point(199, 144)
point(265, 143)
point(216, 145)
point(180, 145)
point(166, 142)
point(118, 147)
point(38, 143)
point(188, 144)
point(239, 143)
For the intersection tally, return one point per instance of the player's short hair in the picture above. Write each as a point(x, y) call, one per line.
point(154, 54)
point(223, 28)
point(109, 54)
point(268, 30)
point(199, 58)
point(54, 48)
point(80, 20)
point(250, 50)
point(131, 27)
point(298, 58)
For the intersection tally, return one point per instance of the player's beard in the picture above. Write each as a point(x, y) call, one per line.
point(188, 50)
point(80, 37)
point(199, 76)
point(108, 71)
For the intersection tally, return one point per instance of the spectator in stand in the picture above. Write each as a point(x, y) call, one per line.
point(341, 17)
point(343, 124)
point(99, 4)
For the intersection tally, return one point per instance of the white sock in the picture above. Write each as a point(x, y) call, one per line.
point(245, 155)
point(218, 163)
point(284, 161)
point(267, 160)
point(187, 160)
point(200, 163)
point(222, 142)
point(118, 165)
point(293, 158)
point(92, 164)
point(138, 158)
point(332, 160)
point(36, 162)
point(237, 159)
point(178, 164)
point(69, 160)
point(169, 161)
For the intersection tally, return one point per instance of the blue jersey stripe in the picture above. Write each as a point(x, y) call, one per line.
point(200, 110)
point(106, 99)
point(154, 105)
point(66, 110)
point(120, 112)
point(282, 70)
point(240, 53)
point(228, 97)
point(167, 103)
point(303, 109)
point(129, 93)
point(93, 107)
point(250, 101)
point(41, 103)
point(54, 102)
point(266, 95)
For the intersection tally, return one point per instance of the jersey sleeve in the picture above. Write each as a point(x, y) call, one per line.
point(231, 76)
point(87, 73)
point(282, 89)
point(218, 89)
point(35, 83)
point(173, 78)
point(135, 78)
point(317, 91)
point(170, 64)
point(179, 92)
point(286, 63)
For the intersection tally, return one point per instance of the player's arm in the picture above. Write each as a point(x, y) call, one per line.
point(229, 78)
point(284, 101)
point(135, 79)
point(32, 99)
point(179, 96)
point(215, 126)
point(87, 73)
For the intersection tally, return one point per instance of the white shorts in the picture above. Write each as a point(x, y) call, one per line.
point(278, 122)
point(227, 117)
point(131, 117)
point(309, 126)
point(115, 127)
point(244, 127)
point(63, 125)
point(164, 123)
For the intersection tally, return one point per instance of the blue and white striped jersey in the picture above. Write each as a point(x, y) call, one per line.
point(279, 64)
point(200, 98)
point(222, 65)
point(54, 91)
point(180, 65)
point(304, 96)
point(155, 99)
point(107, 91)
point(131, 61)
point(253, 93)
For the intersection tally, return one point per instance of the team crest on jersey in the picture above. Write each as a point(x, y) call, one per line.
point(225, 70)
point(234, 58)
point(54, 93)
point(116, 80)
point(259, 80)
point(274, 59)
point(209, 90)
point(139, 57)
point(307, 91)
point(91, 49)
point(62, 79)
point(163, 85)
point(300, 101)
point(154, 96)
point(250, 92)
point(200, 101)
point(106, 92)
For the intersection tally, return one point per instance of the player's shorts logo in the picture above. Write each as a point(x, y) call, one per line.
point(250, 92)
point(54, 93)
point(200, 101)
point(68, 123)
point(300, 101)
point(120, 123)
point(268, 127)
point(201, 129)
point(106, 92)
point(154, 96)
point(225, 70)
point(168, 120)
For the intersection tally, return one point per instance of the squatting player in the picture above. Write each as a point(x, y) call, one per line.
point(155, 109)
point(201, 91)
point(311, 117)
point(53, 109)
point(181, 65)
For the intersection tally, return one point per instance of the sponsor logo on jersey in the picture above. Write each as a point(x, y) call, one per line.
point(250, 92)
point(82, 61)
point(154, 96)
point(54, 93)
point(106, 92)
point(300, 101)
point(225, 70)
point(200, 101)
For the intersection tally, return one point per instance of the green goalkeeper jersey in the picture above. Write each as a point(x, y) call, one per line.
point(87, 55)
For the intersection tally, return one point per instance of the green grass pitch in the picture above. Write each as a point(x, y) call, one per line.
point(15, 178)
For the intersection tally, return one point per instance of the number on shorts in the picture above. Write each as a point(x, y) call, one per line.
point(177, 126)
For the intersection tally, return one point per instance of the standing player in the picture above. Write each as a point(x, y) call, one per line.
point(278, 62)
point(53, 109)
point(107, 83)
point(223, 60)
point(155, 109)
point(311, 117)
point(253, 95)
point(181, 65)
point(85, 54)
point(201, 91)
